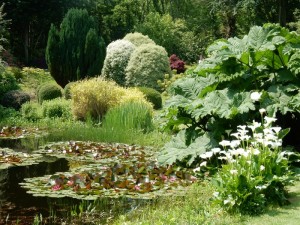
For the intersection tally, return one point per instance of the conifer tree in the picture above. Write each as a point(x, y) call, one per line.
point(75, 51)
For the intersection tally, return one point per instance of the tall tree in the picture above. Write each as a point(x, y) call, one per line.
point(75, 50)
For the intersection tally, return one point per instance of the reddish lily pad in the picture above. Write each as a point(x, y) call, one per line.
point(10, 158)
point(97, 181)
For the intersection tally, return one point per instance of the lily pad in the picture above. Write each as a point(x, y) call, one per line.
point(94, 152)
point(13, 132)
point(9, 158)
point(143, 180)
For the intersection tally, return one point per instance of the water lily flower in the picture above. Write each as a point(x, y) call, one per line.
point(255, 96)
point(56, 187)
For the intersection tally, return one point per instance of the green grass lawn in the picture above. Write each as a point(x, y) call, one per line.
point(196, 208)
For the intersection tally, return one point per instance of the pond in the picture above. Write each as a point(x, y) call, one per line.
point(55, 182)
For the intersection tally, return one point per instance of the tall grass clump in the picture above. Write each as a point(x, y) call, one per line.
point(94, 97)
point(129, 116)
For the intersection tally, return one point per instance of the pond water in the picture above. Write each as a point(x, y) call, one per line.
point(19, 207)
point(81, 182)
point(16, 206)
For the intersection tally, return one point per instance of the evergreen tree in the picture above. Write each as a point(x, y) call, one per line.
point(76, 50)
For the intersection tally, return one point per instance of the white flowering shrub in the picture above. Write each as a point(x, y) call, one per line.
point(255, 169)
point(117, 56)
point(138, 39)
point(148, 64)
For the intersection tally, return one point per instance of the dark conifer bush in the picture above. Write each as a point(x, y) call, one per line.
point(75, 50)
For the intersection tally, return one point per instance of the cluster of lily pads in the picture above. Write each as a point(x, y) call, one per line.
point(108, 170)
point(9, 158)
point(14, 132)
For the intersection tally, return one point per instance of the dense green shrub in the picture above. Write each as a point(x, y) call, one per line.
point(206, 105)
point(148, 64)
point(117, 56)
point(152, 96)
point(138, 39)
point(31, 111)
point(75, 50)
point(94, 97)
point(67, 90)
point(34, 77)
point(49, 91)
point(7, 113)
point(129, 115)
point(57, 108)
point(7, 82)
point(14, 99)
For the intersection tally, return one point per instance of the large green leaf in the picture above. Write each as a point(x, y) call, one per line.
point(176, 150)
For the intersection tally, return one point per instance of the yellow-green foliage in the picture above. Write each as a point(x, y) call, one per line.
point(95, 96)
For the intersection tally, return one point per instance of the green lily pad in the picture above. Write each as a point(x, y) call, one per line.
point(144, 180)
point(9, 158)
point(93, 152)
point(13, 132)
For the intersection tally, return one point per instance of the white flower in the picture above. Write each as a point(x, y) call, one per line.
point(50, 150)
point(216, 194)
point(204, 163)
point(196, 169)
point(233, 172)
point(64, 151)
point(256, 151)
point(224, 143)
point(254, 126)
point(262, 111)
point(216, 150)
point(269, 120)
point(206, 155)
point(276, 129)
point(235, 143)
point(261, 187)
point(255, 96)
point(226, 201)
point(261, 168)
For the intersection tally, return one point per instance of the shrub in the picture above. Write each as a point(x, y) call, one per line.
point(129, 115)
point(7, 113)
point(7, 82)
point(67, 90)
point(76, 50)
point(117, 56)
point(14, 99)
point(57, 108)
point(152, 96)
point(176, 64)
point(31, 111)
point(138, 39)
point(148, 63)
point(94, 97)
point(49, 91)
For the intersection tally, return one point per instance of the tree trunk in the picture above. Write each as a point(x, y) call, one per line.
point(282, 12)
